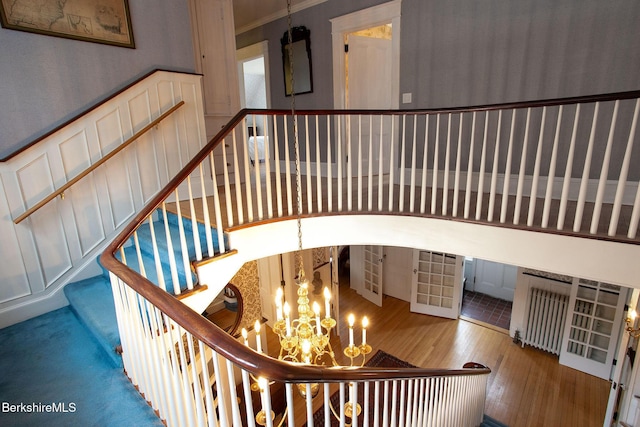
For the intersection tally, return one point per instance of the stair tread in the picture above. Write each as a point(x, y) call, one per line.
point(92, 302)
point(487, 421)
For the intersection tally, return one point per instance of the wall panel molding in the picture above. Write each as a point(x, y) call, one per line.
point(60, 243)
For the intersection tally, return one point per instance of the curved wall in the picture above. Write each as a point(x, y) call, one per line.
point(580, 257)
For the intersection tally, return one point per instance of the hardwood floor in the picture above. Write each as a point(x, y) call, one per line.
point(527, 387)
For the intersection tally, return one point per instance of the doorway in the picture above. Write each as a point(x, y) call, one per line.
point(366, 54)
point(488, 292)
point(253, 80)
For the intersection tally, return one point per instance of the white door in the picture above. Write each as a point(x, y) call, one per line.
point(436, 287)
point(495, 279)
point(366, 272)
point(369, 87)
point(592, 328)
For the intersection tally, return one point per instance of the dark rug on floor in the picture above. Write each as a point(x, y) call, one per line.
point(381, 360)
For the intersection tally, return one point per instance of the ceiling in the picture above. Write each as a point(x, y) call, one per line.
point(249, 14)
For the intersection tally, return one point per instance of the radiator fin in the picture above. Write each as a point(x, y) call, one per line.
point(546, 315)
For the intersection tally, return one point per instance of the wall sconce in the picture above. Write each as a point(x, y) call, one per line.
point(631, 321)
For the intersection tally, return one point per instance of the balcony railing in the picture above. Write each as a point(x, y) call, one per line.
point(561, 166)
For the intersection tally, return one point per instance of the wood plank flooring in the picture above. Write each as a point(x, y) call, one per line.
point(527, 387)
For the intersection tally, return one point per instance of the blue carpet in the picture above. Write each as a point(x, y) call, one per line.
point(52, 359)
point(92, 302)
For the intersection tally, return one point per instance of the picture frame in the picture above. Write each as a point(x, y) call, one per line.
point(300, 71)
point(98, 21)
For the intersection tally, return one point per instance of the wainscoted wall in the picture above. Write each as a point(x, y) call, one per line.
point(52, 247)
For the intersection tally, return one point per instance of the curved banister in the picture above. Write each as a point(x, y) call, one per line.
point(258, 363)
point(225, 179)
point(225, 344)
point(60, 191)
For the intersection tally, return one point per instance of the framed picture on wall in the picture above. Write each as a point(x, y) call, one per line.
point(99, 21)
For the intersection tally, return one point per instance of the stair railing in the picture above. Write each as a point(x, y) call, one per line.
point(63, 188)
point(527, 165)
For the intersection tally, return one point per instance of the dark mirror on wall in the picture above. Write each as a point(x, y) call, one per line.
point(300, 47)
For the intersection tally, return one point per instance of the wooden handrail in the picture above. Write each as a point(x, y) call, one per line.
point(260, 364)
point(223, 343)
point(227, 346)
point(60, 191)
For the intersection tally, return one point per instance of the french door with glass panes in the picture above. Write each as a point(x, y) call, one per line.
point(436, 287)
point(592, 327)
point(366, 271)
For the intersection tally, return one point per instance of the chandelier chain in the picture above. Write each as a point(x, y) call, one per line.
point(296, 144)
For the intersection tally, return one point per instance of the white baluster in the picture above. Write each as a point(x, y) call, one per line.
point(447, 159)
point(237, 179)
point(468, 188)
point(584, 183)
point(287, 167)
point(434, 181)
point(156, 256)
point(536, 170)
point(380, 164)
point(392, 166)
point(507, 171)
point(226, 181)
point(523, 170)
point(402, 163)
point(248, 400)
point(359, 164)
point(562, 211)
point(412, 184)
point(624, 171)
point(217, 210)
point(604, 172)
point(307, 158)
point(233, 395)
point(483, 159)
point(170, 253)
point(318, 168)
point(276, 156)
point(548, 197)
point(267, 167)
point(247, 173)
point(494, 171)
point(205, 204)
point(256, 170)
point(288, 387)
point(194, 222)
point(349, 133)
point(456, 181)
point(425, 167)
point(370, 164)
point(339, 161)
point(329, 168)
point(327, 408)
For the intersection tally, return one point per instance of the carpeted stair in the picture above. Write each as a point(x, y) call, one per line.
point(487, 421)
point(92, 299)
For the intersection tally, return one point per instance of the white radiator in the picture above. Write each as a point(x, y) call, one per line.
point(545, 319)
